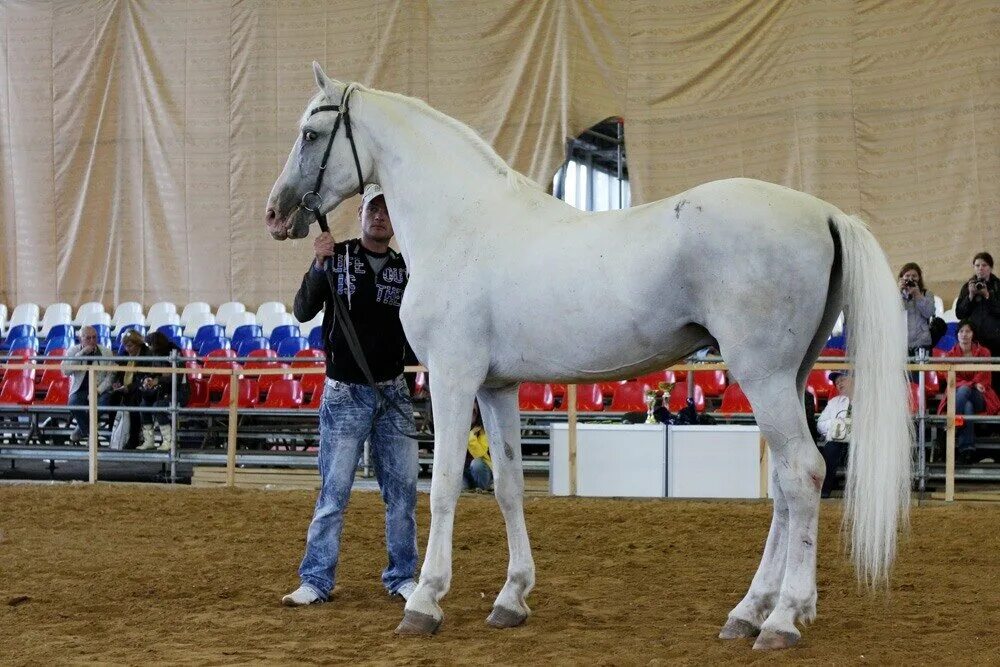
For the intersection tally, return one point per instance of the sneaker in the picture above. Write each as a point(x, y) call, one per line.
point(406, 590)
point(301, 596)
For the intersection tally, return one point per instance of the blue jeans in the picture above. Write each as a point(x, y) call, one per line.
point(478, 475)
point(79, 398)
point(345, 422)
point(968, 401)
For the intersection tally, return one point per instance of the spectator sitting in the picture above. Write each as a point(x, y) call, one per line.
point(79, 392)
point(126, 385)
point(834, 425)
point(918, 302)
point(979, 302)
point(974, 393)
point(155, 392)
point(478, 473)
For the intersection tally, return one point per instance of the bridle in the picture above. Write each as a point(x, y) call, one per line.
point(341, 313)
point(343, 114)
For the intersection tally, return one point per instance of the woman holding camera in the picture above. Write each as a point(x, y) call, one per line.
point(979, 302)
point(918, 302)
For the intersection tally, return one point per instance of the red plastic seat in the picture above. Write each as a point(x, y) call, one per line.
point(18, 357)
point(712, 383)
point(812, 392)
point(558, 391)
point(315, 400)
point(914, 397)
point(932, 383)
point(819, 380)
point(199, 396)
point(734, 401)
point(58, 392)
point(219, 382)
point(17, 390)
point(265, 382)
point(832, 352)
point(678, 398)
point(938, 353)
point(312, 383)
point(629, 397)
point(608, 388)
point(284, 394)
point(419, 384)
point(589, 398)
point(535, 397)
point(247, 394)
point(308, 358)
point(49, 375)
point(656, 377)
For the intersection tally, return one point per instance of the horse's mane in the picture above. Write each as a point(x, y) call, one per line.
point(515, 179)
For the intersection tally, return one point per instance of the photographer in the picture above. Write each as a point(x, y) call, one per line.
point(979, 302)
point(918, 302)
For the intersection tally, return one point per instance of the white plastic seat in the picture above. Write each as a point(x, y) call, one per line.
point(838, 326)
point(24, 313)
point(306, 327)
point(227, 310)
point(275, 320)
point(129, 312)
point(238, 320)
point(96, 318)
point(269, 308)
point(162, 318)
point(3, 318)
point(938, 305)
point(195, 322)
point(55, 313)
point(949, 316)
point(194, 308)
point(86, 309)
point(159, 311)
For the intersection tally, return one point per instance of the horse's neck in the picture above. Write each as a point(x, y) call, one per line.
point(432, 203)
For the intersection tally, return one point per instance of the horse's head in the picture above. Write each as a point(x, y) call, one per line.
point(287, 215)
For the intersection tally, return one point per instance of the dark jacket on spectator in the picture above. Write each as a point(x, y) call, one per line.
point(983, 313)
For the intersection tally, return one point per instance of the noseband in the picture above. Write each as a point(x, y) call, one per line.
point(311, 201)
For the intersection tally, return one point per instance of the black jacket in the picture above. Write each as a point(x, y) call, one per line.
point(983, 313)
point(373, 303)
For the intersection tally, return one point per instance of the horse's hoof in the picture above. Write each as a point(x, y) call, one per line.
point(736, 628)
point(501, 617)
point(769, 640)
point(418, 623)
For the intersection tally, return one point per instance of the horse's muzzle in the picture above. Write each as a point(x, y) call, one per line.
point(292, 226)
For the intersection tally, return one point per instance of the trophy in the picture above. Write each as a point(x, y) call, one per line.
point(662, 392)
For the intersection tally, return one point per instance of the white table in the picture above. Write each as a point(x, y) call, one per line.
point(612, 460)
point(722, 461)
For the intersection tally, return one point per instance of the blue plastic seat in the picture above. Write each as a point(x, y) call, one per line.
point(282, 332)
point(103, 331)
point(172, 331)
point(212, 344)
point(58, 344)
point(19, 331)
point(104, 341)
point(289, 346)
point(247, 345)
point(316, 338)
point(952, 329)
point(62, 331)
point(208, 332)
point(119, 347)
point(946, 343)
point(24, 343)
point(245, 331)
point(183, 343)
point(837, 342)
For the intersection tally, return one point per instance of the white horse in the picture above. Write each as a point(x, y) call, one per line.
point(509, 284)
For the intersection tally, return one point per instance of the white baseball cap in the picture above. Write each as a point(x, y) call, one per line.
point(372, 190)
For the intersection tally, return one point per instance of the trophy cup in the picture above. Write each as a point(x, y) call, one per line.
point(662, 391)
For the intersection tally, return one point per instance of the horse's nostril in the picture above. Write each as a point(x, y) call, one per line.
point(271, 215)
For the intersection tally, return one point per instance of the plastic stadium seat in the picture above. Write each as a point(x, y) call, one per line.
point(198, 396)
point(289, 347)
point(712, 383)
point(655, 378)
point(126, 313)
point(812, 392)
point(237, 320)
point(172, 331)
point(163, 319)
point(316, 338)
point(283, 331)
point(263, 353)
point(932, 383)
point(58, 344)
point(18, 357)
point(57, 352)
point(248, 345)
point(819, 380)
point(24, 343)
point(209, 345)
point(97, 319)
point(88, 310)
point(951, 329)
point(19, 331)
point(269, 308)
point(608, 388)
point(309, 359)
point(183, 343)
point(832, 352)
point(103, 330)
point(48, 376)
point(914, 397)
point(316, 321)
point(56, 314)
point(419, 383)
point(245, 331)
point(535, 397)
point(247, 394)
point(3, 318)
point(629, 397)
point(589, 398)
point(315, 400)
point(838, 342)
point(208, 332)
point(227, 310)
point(938, 352)
point(196, 321)
point(195, 308)
point(734, 401)
point(946, 343)
point(119, 346)
point(272, 320)
point(678, 398)
point(25, 313)
point(312, 383)
point(17, 390)
point(284, 394)
point(264, 382)
point(57, 392)
point(216, 360)
point(62, 331)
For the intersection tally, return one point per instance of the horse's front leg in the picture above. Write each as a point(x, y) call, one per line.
point(453, 389)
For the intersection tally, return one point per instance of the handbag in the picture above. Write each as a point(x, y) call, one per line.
point(120, 430)
point(840, 427)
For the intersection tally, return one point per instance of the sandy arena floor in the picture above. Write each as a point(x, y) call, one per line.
point(137, 574)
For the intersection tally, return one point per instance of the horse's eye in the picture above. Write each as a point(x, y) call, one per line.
point(309, 135)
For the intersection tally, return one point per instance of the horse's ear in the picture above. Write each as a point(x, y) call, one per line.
point(331, 87)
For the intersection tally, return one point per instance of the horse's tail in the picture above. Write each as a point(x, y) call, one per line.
point(877, 497)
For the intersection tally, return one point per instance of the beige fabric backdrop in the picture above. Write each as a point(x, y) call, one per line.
point(140, 138)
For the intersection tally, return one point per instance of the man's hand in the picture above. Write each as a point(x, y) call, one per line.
point(323, 246)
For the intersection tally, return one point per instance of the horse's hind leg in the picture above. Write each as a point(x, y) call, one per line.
point(777, 405)
point(503, 425)
point(746, 618)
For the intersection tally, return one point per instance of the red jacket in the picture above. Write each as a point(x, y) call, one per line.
point(965, 378)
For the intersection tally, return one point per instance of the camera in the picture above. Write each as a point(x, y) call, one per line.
point(909, 283)
point(980, 284)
